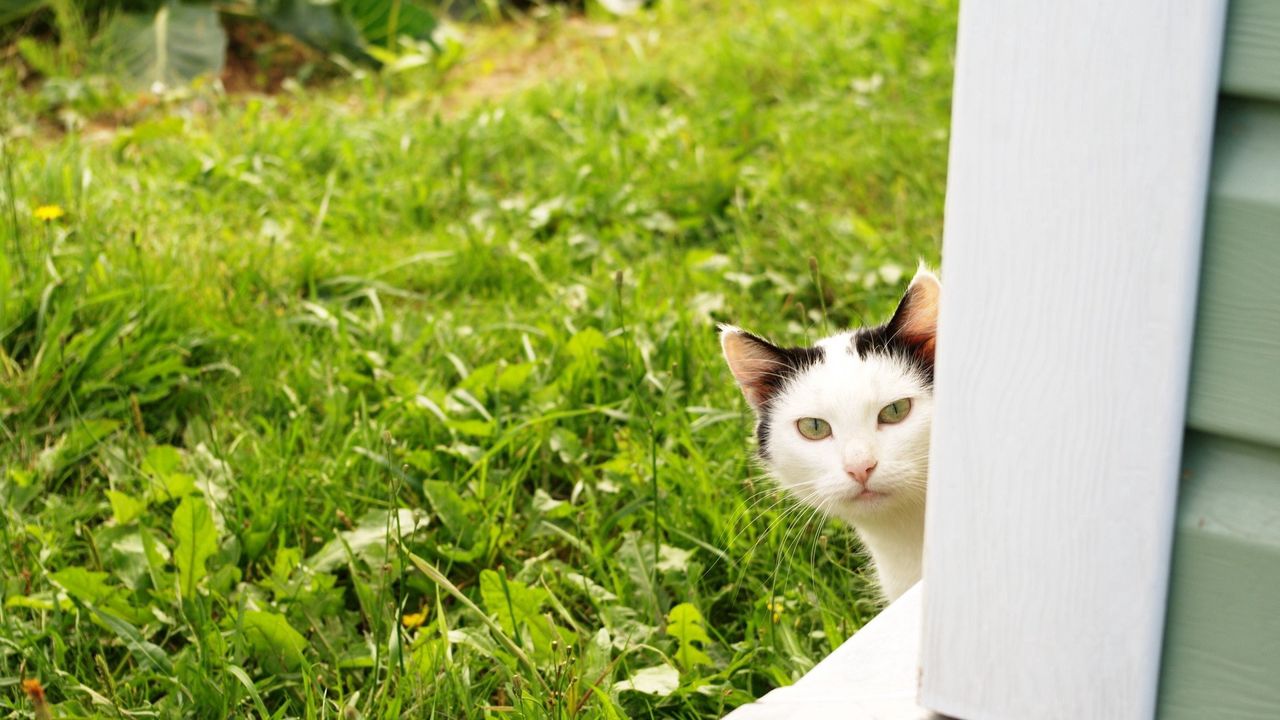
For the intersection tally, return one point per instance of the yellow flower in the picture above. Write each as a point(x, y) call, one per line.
point(49, 213)
point(413, 620)
point(775, 608)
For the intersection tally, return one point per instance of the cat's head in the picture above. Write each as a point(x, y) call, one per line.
point(844, 425)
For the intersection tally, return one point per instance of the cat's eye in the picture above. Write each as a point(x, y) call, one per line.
point(895, 412)
point(814, 428)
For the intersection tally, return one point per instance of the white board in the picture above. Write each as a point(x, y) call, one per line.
point(1079, 161)
point(872, 676)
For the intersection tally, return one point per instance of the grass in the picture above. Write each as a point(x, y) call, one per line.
point(270, 333)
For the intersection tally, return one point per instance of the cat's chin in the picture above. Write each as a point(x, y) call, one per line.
point(863, 504)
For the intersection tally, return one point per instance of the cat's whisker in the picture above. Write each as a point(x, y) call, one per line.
point(769, 530)
point(799, 512)
point(813, 511)
point(781, 498)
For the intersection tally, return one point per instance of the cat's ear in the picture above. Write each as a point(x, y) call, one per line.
point(915, 323)
point(756, 364)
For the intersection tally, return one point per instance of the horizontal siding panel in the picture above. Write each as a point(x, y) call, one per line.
point(1251, 59)
point(1222, 639)
point(1235, 378)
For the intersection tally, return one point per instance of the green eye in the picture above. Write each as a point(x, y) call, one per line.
point(895, 412)
point(814, 428)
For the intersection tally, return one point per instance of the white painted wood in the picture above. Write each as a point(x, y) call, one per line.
point(872, 676)
point(1079, 159)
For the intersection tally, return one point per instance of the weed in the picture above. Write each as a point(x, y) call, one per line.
point(341, 405)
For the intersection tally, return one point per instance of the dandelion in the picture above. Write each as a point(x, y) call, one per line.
point(35, 691)
point(49, 213)
point(413, 620)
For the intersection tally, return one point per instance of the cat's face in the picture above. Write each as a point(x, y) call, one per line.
point(844, 425)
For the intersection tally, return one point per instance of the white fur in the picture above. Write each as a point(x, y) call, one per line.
point(848, 392)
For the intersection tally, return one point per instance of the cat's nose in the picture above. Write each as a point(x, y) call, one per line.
point(860, 471)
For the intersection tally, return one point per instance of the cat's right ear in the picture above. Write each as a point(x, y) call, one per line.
point(756, 364)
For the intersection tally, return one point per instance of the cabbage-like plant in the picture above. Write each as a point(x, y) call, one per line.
point(163, 43)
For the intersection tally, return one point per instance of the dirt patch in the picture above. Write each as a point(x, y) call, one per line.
point(259, 59)
point(525, 55)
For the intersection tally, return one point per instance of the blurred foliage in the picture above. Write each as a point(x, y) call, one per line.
point(150, 43)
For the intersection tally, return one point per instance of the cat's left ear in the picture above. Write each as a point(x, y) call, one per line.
point(915, 323)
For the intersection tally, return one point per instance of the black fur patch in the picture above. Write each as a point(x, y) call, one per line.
point(791, 362)
point(884, 340)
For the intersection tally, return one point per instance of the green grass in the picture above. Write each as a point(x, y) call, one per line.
point(270, 330)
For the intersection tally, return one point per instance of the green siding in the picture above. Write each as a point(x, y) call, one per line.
point(1235, 379)
point(1222, 638)
point(1222, 631)
point(1251, 61)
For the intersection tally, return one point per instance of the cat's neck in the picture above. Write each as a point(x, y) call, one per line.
point(896, 544)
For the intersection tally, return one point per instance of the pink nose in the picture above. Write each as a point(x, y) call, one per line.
point(860, 472)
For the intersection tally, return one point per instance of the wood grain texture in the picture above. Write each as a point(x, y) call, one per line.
point(872, 676)
point(1251, 60)
point(1222, 643)
point(1235, 387)
point(1081, 137)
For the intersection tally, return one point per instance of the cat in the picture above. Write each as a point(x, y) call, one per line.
point(844, 425)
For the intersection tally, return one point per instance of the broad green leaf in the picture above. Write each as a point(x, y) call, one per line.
point(660, 680)
point(163, 464)
point(517, 607)
point(549, 506)
point(91, 588)
point(42, 602)
point(43, 57)
point(168, 48)
point(506, 378)
point(274, 638)
point(567, 445)
point(284, 582)
point(475, 638)
point(223, 579)
point(21, 478)
point(379, 20)
point(598, 653)
point(637, 560)
point(162, 460)
point(480, 381)
point(671, 559)
point(149, 652)
point(156, 555)
point(124, 507)
point(687, 626)
point(124, 555)
point(512, 602)
point(368, 540)
point(454, 512)
point(473, 428)
point(585, 344)
point(82, 584)
point(318, 23)
point(594, 590)
point(514, 377)
point(178, 485)
point(286, 561)
point(196, 540)
point(75, 445)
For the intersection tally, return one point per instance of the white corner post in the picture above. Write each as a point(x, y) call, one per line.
point(1079, 164)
